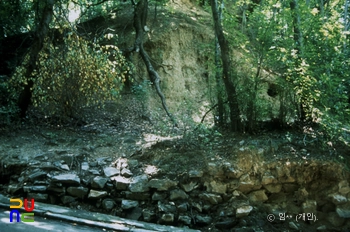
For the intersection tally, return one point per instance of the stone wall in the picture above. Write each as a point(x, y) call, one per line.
point(223, 195)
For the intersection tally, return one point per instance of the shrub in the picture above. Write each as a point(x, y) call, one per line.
point(8, 108)
point(73, 75)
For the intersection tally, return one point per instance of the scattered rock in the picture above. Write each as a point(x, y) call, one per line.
point(94, 172)
point(143, 196)
point(162, 184)
point(282, 171)
point(98, 182)
point(108, 204)
point(84, 166)
point(101, 161)
point(226, 225)
point(66, 158)
point(163, 207)
point(130, 140)
point(159, 196)
point(121, 183)
point(64, 167)
point(93, 164)
point(344, 187)
point(126, 172)
point(110, 171)
point(178, 194)
point(197, 206)
point(134, 214)
point(247, 185)
point(67, 179)
point(93, 194)
point(167, 218)
point(133, 163)
point(67, 199)
point(215, 170)
point(189, 187)
point(38, 196)
point(343, 210)
point(195, 174)
point(290, 187)
point(216, 187)
point(273, 188)
point(203, 220)
point(27, 189)
point(128, 204)
point(258, 196)
point(243, 211)
point(57, 189)
point(79, 192)
point(14, 188)
point(185, 219)
point(268, 180)
point(139, 184)
point(301, 194)
point(309, 206)
point(293, 226)
point(211, 198)
point(148, 215)
point(227, 213)
point(232, 173)
point(338, 199)
point(182, 207)
point(36, 174)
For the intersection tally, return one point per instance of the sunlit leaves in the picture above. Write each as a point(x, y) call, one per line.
point(76, 74)
point(314, 11)
point(318, 68)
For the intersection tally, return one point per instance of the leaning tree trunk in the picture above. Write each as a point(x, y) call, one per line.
point(140, 17)
point(39, 36)
point(218, 77)
point(226, 65)
point(219, 87)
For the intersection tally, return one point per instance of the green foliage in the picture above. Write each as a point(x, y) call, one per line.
point(201, 137)
point(159, 2)
point(318, 68)
point(73, 75)
point(141, 92)
point(90, 9)
point(17, 16)
point(8, 108)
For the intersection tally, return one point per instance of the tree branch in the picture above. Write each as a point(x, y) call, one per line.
point(140, 17)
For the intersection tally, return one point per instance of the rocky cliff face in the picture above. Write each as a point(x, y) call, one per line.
point(180, 42)
point(179, 46)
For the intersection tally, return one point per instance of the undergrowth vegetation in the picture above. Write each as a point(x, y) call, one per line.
point(73, 75)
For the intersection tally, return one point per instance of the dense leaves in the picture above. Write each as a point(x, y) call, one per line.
point(75, 74)
point(16, 16)
point(305, 44)
point(299, 49)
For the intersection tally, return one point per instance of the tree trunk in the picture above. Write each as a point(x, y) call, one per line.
point(346, 21)
point(220, 120)
point(298, 45)
point(140, 17)
point(39, 36)
point(298, 38)
point(218, 76)
point(226, 64)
